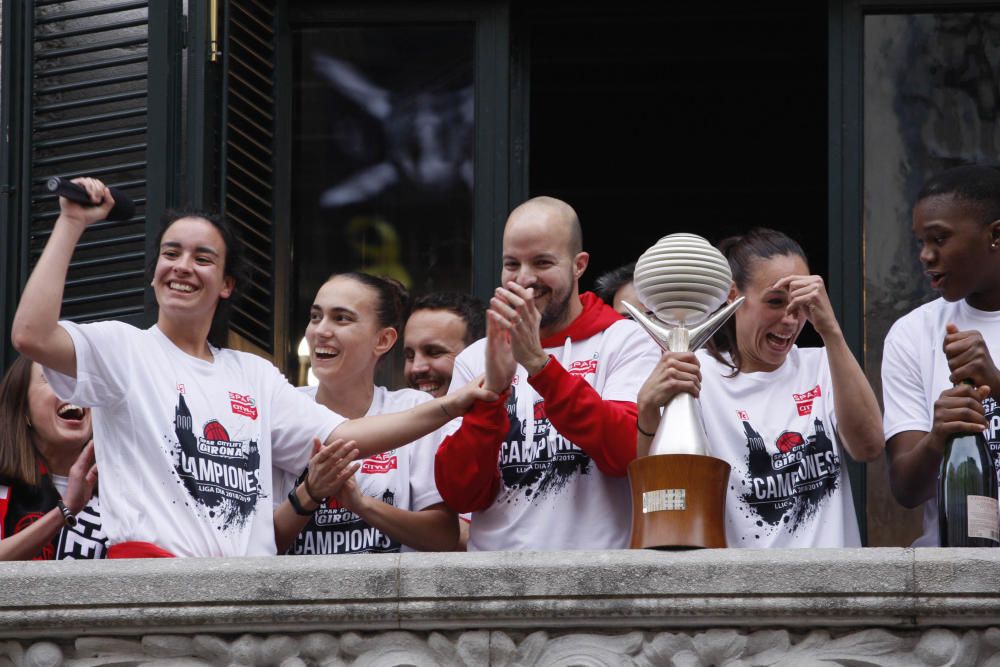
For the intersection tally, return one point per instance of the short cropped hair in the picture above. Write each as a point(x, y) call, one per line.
point(469, 308)
point(976, 185)
point(608, 284)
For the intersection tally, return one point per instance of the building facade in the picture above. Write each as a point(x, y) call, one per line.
point(394, 137)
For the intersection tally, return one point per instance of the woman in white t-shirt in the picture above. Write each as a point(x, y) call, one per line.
point(392, 500)
point(187, 431)
point(780, 415)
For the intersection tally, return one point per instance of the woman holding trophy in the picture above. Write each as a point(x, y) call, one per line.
point(780, 415)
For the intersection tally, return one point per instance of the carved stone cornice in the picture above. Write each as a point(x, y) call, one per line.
point(604, 591)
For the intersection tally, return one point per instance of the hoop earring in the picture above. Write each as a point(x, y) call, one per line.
point(27, 420)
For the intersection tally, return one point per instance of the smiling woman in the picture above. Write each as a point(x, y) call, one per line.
point(187, 432)
point(391, 503)
point(46, 464)
point(198, 270)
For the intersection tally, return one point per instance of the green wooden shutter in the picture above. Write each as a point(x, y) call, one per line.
point(90, 90)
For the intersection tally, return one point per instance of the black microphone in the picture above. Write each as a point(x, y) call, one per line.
point(123, 209)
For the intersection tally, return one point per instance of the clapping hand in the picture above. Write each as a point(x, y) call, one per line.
point(82, 478)
point(330, 467)
point(513, 309)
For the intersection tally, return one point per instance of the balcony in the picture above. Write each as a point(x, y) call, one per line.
point(713, 607)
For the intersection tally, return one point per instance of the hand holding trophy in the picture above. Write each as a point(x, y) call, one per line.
point(678, 491)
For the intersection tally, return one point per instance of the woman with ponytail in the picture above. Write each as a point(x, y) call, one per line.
point(391, 501)
point(781, 415)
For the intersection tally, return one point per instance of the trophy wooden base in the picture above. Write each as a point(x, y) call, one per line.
point(678, 501)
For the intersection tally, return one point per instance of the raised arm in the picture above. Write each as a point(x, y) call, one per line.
point(604, 429)
point(466, 464)
point(380, 433)
point(859, 420)
point(36, 332)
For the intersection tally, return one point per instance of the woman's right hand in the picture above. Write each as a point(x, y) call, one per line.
point(85, 216)
point(674, 373)
point(460, 401)
point(349, 496)
point(82, 478)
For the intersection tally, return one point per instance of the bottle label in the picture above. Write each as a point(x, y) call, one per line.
point(984, 517)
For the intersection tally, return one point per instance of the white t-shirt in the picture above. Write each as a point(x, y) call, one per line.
point(185, 446)
point(915, 372)
point(788, 486)
point(552, 496)
point(402, 477)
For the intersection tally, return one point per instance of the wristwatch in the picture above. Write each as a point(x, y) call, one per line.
point(293, 498)
point(68, 517)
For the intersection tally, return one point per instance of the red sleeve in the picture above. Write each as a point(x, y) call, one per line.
point(5, 493)
point(605, 430)
point(466, 466)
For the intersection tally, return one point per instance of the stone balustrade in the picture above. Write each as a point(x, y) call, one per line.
point(713, 607)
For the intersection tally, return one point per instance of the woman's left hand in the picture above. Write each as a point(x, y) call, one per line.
point(808, 295)
point(82, 478)
point(330, 467)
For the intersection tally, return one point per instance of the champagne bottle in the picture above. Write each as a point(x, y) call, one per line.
point(967, 493)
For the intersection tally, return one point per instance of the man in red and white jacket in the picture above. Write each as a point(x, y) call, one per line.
point(544, 467)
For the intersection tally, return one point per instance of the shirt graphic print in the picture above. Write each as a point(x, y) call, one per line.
point(786, 488)
point(219, 474)
point(542, 464)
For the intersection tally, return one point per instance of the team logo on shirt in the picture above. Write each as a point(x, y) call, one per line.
point(379, 464)
point(992, 433)
point(543, 465)
point(243, 405)
point(804, 402)
point(219, 473)
point(786, 488)
point(581, 368)
point(337, 530)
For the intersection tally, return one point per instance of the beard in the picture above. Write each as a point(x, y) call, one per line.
point(556, 309)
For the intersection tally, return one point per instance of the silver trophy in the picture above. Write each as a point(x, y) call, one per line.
point(684, 281)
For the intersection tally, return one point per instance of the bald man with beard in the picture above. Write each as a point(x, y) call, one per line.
point(544, 467)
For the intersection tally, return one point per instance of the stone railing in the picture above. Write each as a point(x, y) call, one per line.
point(724, 608)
